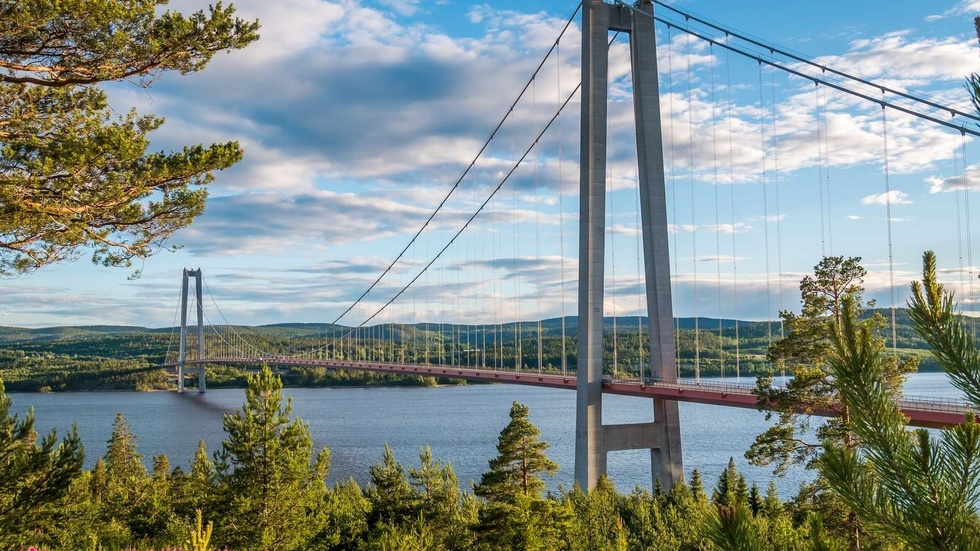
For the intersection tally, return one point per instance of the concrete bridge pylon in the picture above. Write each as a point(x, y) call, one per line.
point(593, 439)
point(182, 352)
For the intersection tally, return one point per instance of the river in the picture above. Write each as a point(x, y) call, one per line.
point(460, 423)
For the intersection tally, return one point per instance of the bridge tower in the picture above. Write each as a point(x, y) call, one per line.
point(593, 440)
point(182, 353)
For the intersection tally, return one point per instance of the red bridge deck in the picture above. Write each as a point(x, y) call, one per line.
point(921, 411)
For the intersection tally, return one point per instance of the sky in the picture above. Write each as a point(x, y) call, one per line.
point(357, 118)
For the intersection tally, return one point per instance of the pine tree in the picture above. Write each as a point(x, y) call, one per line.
point(697, 487)
point(127, 482)
point(199, 485)
point(346, 526)
point(772, 506)
point(519, 463)
point(805, 351)
point(270, 481)
point(73, 174)
point(922, 491)
point(393, 500)
point(33, 476)
point(515, 516)
point(441, 503)
point(731, 529)
point(731, 489)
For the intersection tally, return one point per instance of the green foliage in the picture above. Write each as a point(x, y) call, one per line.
point(75, 176)
point(731, 529)
point(200, 539)
point(598, 524)
point(346, 522)
point(270, 480)
point(806, 349)
point(520, 461)
point(731, 490)
point(34, 477)
point(919, 489)
point(393, 500)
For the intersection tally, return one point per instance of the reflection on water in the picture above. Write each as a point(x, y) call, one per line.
point(460, 423)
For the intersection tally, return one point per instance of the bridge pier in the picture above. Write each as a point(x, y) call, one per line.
point(182, 352)
point(593, 440)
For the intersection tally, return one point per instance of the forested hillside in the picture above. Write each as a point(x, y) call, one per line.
point(127, 358)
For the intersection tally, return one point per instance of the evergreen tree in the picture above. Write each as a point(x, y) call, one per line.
point(755, 500)
point(805, 350)
point(345, 526)
point(519, 463)
point(731, 529)
point(920, 490)
point(198, 486)
point(270, 481)
point(126, 477)
point(731, 489)
point(72, 174)
point(771, 507)
point(441, 503)
point(393, 500)
point(697, 487)
point(597, 522)
point(515, 516)
point(34, 476)
point(126, 486)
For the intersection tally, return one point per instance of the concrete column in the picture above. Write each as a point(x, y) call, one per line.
point(198, 281)
point(666, 461)
point(662, 437)
point(182, 350)
point(590, 454)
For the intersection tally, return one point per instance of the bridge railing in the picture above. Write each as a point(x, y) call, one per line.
point(909, 402)
point(921, 403)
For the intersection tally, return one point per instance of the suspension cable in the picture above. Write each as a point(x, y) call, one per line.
point(468, 168)
point(818, 78)
point(773, 49)
point(888, 218)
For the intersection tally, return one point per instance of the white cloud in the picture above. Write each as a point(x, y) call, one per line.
point(965, 7)
point(894, 197)
point(941, 184)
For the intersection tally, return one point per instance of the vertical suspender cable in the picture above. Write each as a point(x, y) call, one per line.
point(888, 217)
point(561, 222)
point(518, 330)
point(537, 225)
point(714, 166)
point(958, 163)
point(775, 186)
point(611, 215)
point(817, 115)
point(765, 203)
point(969, 236)
point(641, 288)
point(731, 182)
point(826, 172)
point(694, 223)
point(673, 198)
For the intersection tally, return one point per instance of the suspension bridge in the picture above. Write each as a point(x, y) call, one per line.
point(454, 300)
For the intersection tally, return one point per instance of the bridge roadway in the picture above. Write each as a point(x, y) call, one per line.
point(927, 412)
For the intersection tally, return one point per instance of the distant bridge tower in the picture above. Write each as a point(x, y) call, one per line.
point(182, 353)
point(593, 440)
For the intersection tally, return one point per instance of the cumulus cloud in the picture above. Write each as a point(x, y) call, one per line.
point(942, 184)
point(894, 197)
point(965, 7)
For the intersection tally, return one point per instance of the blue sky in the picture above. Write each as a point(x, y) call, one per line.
point(357, 118)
